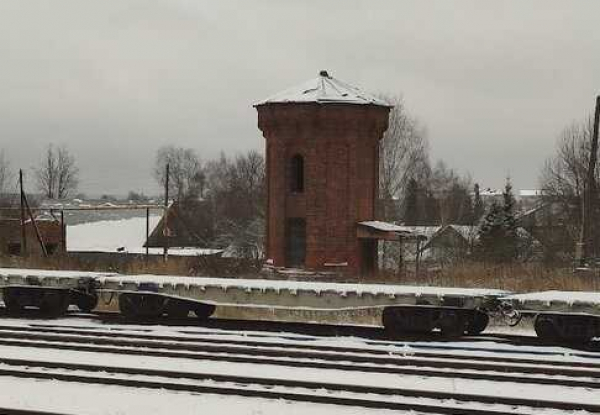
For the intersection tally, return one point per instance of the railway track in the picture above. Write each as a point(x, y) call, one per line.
point(374, 333)
point(195, 339)
point(291, 390)
point(300, 343)
point(583, 374)
point(14, 411)
point(504, 366)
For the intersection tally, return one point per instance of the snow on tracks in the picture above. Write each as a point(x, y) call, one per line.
point(344, 374)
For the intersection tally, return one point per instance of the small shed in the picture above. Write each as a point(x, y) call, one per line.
point(51, 232)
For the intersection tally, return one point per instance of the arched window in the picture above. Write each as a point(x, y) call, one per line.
point(297, 174)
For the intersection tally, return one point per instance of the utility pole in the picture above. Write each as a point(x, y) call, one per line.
point(166, 217)
point(23, 229)
point(38, 235)
point(587, 243)
point(147, 235)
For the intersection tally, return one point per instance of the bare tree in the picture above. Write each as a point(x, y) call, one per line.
point(563, 178)
point(67, 178)
point(57, 176)
point(404, 155)
point(451, 194)
point(7, 192)
point(236, 190)
point(238, 186)
point(563, 175)
point(186, 175)
point(5, 173)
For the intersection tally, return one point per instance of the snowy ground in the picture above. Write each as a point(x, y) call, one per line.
point(127, 235)
point(80, 398)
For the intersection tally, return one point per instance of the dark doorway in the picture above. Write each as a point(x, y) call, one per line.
point(368, 248)
point(295, 249)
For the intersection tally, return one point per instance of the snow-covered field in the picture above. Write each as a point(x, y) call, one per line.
point(122, 235)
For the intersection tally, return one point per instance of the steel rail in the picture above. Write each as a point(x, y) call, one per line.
point(360, 367)
point(273, 349)
point(405, 366)
point(371, 332)
point(247, 382)
point(191, 339)
point(13, 411)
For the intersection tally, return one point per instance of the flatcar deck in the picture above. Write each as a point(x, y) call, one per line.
point(298, 294)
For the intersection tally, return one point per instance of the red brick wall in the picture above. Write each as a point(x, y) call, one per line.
point(339, 143)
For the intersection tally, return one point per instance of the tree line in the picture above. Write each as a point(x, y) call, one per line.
point(412, 189)
point(56, 176)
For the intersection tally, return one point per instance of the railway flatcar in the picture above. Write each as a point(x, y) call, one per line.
point(405, 309)
point(454, 311)
point(572, 316)
point(50, 291)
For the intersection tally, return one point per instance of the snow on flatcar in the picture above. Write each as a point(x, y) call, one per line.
point(573, 316)
point(405, 308)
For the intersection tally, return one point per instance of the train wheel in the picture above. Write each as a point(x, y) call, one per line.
point(399, 320)
point(565, 328)
point(177, 309)
point(394, 321)
point(204, 311)
point(545, 328)
point(477, 322)
point(55, 302)
point(12, 303)
point(86, 302)
point(141, 306)
point(452, 323)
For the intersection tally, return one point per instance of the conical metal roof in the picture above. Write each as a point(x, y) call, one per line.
point(324, 89)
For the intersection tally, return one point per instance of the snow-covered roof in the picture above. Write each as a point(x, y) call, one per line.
point(490, 192)
point(530, 193)
point(383, 226)
point(423, 231)
point(468, 232)
point(324, 89)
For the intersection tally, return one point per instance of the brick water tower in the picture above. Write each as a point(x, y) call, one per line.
point(322, 157)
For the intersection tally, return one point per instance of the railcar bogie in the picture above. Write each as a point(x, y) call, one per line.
point(84, 300)
point(152, 305)
point(451, 321)
point(477, 322)
point(574, 328)
point(51, 302)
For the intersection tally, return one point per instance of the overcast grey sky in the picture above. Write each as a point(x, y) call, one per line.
point(493, 81)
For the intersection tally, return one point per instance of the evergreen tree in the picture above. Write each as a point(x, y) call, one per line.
point(459, 201)
point(411, 208)
point(498, 239)
point(510, 224)
point(491, 233)
point(478, 207)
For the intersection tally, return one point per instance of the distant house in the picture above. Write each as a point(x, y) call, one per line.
point(185, 225)
point(555, 226)
point(449, 243)
point(529, 199)
point(50, 230)
point(410, 249)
